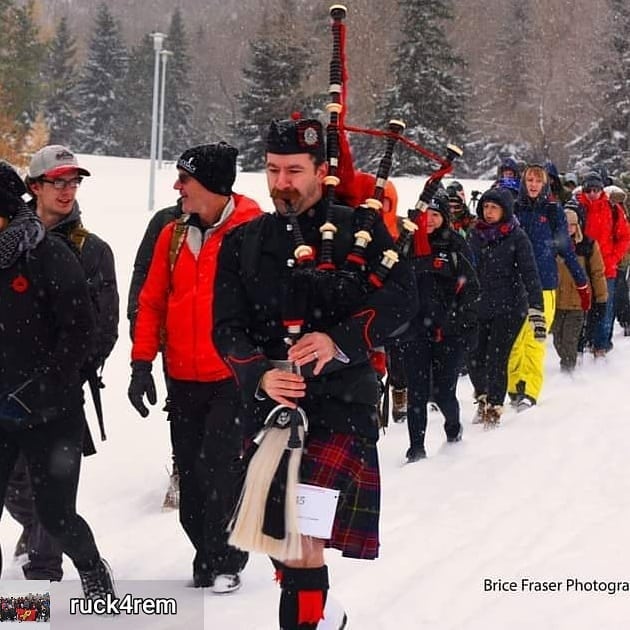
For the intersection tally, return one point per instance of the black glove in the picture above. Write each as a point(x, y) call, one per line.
point(10, 204)
point(141, 384)
point(537, 321)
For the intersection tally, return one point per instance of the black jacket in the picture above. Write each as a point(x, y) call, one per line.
point(144, 255)
point(507, 271)
point(97, 260)
point(251, 281)
point(46, 327)
point(448, 288)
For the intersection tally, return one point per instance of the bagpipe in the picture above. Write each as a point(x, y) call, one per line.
point(266, 517)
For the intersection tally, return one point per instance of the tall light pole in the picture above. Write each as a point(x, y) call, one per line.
point(158, 39)
point(164, 54)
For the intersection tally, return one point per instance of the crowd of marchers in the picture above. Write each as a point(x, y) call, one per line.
point(321, 308)
point(31, 607)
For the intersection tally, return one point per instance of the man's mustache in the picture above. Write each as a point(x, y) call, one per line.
point(290, 196)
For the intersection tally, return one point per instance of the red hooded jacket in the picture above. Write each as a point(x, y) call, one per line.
point(608, 226)
point(180, 301)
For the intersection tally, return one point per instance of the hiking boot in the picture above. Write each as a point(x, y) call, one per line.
point(171, 498)
point(493, 416)
point(21, 546)
point(226, 583)
point(525, 403)
point(481, 402)
point(98, 582)
point(399, 405)
point(415, 453)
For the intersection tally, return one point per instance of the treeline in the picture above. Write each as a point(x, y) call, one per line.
point(500, 98)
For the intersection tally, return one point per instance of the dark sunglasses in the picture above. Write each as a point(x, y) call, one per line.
point(184, 178)
point(62, 184)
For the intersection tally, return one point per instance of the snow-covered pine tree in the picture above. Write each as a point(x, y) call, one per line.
point(137, 106)
point(428, 90)
point(21, 57)
point(278, 67)
point(178, 100)
point(607, 142)
point(100, 94)
point(60, 85)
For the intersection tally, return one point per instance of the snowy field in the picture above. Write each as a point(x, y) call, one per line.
point(545, 497)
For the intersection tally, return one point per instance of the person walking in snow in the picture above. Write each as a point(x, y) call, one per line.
point(511, 296)
point(545, 224)
point(445, 325)
point(53, 180)
point(176, 303)
point(46, 331)
point(569, 320)
point(337, 387)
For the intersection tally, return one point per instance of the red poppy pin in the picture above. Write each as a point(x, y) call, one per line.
point(19, 284)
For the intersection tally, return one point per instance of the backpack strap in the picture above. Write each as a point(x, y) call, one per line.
point(178, 237)
point(77, 236)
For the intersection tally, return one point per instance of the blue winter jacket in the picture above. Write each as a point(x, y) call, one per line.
point(545, 224)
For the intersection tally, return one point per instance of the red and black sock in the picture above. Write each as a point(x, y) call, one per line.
point(303, 597)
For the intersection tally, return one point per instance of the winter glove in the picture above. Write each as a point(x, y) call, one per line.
point(585, 297)
point(10, 204)
point(141, 384)
point(537, 321)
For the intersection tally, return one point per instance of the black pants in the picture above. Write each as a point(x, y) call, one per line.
point(622, 297)
point(53, 457)
point(432, 370)
point(207, 438)
point(396, 365)
point(45, 555)
point(488, 364)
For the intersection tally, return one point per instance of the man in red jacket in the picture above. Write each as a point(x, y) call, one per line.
point(608, 226)
point(176, 303)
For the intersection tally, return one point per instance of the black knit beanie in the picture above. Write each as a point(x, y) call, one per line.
point(212, 165)
point(11, 190)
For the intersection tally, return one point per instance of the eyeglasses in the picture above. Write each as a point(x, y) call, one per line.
point(591, 189)
point(62, 184)
point(183, 178)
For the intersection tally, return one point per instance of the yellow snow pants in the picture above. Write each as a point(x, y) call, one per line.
point(527, 359)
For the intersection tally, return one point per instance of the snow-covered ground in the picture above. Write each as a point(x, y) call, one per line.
point(544, 497)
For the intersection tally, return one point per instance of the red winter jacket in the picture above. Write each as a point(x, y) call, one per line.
point(608, 226)
point(181, 302)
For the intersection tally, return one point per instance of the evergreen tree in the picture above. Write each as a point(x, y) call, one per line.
point(137, 106)
point(503, 112)
point(178, 99)
point(100, 94)
point(607, 142)
point(429, 92)
point(60, 87)
point(21, 58)
point(279, 65)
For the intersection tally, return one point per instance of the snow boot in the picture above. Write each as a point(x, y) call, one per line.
point(399, 405)
point(493, 416)
point(525, 403)
point(415, 453)
point(480, 413)
point(98, 582)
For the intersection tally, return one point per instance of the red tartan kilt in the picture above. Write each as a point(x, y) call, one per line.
point(347, 463)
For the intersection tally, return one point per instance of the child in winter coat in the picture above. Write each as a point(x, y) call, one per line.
point(569, 319)
point(511, 293)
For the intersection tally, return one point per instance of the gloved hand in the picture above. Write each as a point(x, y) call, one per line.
point(10, 204)
point(537, 321)
point(585, 297)
point(141, 384)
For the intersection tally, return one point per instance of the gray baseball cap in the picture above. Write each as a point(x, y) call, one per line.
point(53, 161)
